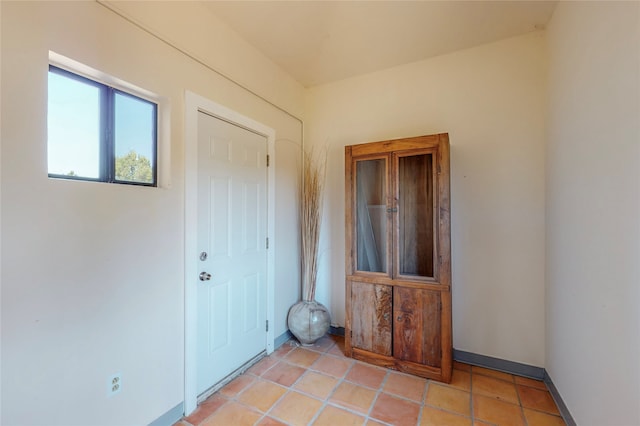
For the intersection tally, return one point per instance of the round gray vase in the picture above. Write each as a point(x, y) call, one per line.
point(308, 321)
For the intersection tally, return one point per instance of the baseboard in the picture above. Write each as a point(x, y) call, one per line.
point(518, 369)
point(281, 339)
point(564, 411)
point(170, 417)
point(336, 331)
point(510, 367)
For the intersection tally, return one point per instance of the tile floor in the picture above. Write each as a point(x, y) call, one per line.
point(318, 385)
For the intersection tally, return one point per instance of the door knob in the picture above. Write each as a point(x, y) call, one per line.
point(205, 276)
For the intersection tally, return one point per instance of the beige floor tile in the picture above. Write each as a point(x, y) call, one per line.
point(206, 408)
point(396, 411)
point(366, 375)
point(323, 344)
point(536, 418)
point(332, 365)
point(302, 357)
point(411, 387)
point(499, 389)
point(296, 408)
point(283, 350)
point(333, 416)
point(263, 365)
point(233, 413)
point(461, 380)
point(449, 399)
point(492, 373)
point(262, 395)
point(316, 384)
point(237, 385)
point(336, 339)
point(270, 421)
point(538, 384)
point(461, 366)
point(284, 373)
point(494, 411)
point(354, 397)
point(294, 384)
point(537, 399)
point(338, 348)
point(435, 417)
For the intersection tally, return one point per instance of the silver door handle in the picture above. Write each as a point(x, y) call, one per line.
point(205, 276)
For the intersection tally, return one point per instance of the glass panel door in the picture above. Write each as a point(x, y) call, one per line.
point(415, 214)
point(371, 215)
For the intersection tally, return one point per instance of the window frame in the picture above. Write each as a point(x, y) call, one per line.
point(107, 123)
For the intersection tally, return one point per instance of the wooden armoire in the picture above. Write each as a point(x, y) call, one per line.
point(398, 256)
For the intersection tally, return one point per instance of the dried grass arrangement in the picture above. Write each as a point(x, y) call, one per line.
point(309, 320)
point(314, 168)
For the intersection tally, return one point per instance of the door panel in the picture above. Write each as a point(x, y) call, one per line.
point(416, 325)
point(371, 327)
point(219, 229)
point(232, 222)
point(250, 309)
point(219, 302)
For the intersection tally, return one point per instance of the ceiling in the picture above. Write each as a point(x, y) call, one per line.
point(318, 42)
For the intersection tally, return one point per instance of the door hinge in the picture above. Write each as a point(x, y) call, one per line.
point(267, 243)
point(267, 160)
point(267, 326)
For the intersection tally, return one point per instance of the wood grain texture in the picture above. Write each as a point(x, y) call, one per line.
point(377, 278)
point(348, 203)
point(349, 200)
point(397, 145)
point(348, 344)
point(399, 365)
point(416, 326)
point(403, 320)
point(371, 327)
point(443, 246)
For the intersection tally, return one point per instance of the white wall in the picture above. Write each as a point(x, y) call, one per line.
point(491, 101)
point(91, 273)
point(593, 210)
point(194, 29)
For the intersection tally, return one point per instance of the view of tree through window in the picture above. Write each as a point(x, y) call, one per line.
point(96, 132)
point(134, 167)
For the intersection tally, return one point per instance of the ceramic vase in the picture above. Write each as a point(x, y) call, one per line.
point(308, 321)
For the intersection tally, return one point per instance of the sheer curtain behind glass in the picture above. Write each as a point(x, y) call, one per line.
point(371, 215)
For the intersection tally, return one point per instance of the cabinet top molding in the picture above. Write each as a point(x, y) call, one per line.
point(398, 145)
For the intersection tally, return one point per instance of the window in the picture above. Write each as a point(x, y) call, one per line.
point(99, 133)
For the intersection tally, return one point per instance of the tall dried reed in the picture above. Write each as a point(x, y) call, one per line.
point(314, 167)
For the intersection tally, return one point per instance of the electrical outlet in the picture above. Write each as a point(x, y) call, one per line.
point(114, 384)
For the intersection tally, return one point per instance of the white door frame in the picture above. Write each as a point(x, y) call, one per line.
point(193, 105)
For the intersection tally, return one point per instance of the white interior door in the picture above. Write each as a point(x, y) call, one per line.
point(232, 232)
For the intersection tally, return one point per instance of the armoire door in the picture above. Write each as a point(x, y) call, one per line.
point(398, 269)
